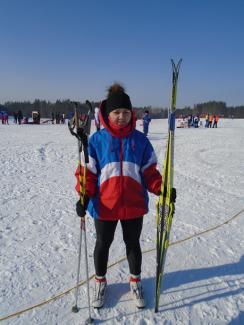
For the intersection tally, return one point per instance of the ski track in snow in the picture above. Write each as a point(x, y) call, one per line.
point(39, 232)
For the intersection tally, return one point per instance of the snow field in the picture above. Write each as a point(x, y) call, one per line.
point(39, 231)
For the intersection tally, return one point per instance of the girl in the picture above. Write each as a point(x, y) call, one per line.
point(121, 169)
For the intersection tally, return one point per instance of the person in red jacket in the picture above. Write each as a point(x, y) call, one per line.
point(210, 121)
point(215, 120)
point(121, 171)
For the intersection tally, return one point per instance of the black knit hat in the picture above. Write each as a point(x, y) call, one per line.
point(117, 98)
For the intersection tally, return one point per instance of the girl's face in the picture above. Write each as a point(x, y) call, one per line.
point(120, 116)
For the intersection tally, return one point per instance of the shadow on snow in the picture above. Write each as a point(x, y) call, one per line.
point(238, 320)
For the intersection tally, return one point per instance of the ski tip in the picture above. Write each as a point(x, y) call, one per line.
point(176, 66)
point(89, 104)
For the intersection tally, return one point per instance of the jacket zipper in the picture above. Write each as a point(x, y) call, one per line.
point(121, 157)
point(121, 173)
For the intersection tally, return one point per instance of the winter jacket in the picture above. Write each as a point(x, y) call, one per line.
point(146, 120)
point(121, 169)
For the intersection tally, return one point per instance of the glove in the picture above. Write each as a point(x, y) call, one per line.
point(173, 195)
point(82, 136)
point(80, 208)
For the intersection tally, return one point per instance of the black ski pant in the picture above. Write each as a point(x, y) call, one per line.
point(105, 234)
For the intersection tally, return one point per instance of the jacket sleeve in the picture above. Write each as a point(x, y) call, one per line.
point(151, 175)
point(91, 173)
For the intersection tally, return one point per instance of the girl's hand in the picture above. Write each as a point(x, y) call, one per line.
point(81, 208)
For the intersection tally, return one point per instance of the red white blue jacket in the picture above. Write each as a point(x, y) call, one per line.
point(121, 169)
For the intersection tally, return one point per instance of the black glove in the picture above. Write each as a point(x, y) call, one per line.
point(81, 209)
point(82, 136)
point(173, 194)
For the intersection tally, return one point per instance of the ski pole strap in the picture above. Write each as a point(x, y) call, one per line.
point(83, 138)
point(171, 121)
point(86, 155)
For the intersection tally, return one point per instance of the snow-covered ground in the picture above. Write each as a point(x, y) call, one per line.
point(39, 231)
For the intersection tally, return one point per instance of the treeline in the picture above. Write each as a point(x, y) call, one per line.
point(214, 108)
point(47, 108)
point(200, 110)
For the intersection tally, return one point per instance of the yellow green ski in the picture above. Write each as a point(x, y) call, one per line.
point(165, 205)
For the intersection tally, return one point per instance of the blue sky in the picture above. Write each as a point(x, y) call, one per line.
point(59, 49)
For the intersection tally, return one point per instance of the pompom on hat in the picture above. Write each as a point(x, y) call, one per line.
point(117, 98)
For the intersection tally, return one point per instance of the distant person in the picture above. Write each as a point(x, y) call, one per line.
point(206, 120)
point(190, 121)
point(63, 118)
point(196, 121)
point(20, 117)
point(1, 117)
point(210, 121)
point(97, 120)
point(53, 118)
point(39, 117)
point(146, 121)
point(57, 117)
point(15, 117)
point(215, 121)
point(5, 117)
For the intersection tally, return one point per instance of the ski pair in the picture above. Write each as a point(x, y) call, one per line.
point(165, 204)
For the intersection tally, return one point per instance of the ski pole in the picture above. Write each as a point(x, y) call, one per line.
point(83, 227)
point(82, 132)
point(75, 308)
point(86, 160)
point(90, 320)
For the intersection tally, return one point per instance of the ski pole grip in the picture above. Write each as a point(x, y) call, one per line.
point(86, 155)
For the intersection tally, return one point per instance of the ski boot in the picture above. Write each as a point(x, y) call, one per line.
point(137, 292)
point(99, 292)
